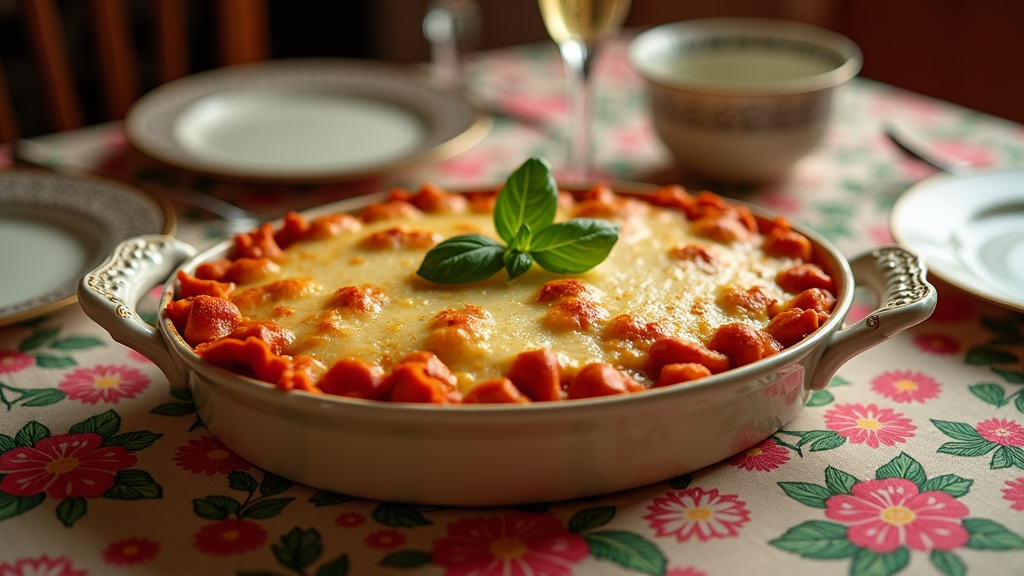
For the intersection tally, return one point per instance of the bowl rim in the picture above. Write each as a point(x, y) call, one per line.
point(270, 394)
point(666, 35)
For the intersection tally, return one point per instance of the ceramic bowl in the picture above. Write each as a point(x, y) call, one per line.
point(741, 100)
point(482, 455)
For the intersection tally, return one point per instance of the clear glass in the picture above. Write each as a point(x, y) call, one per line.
point(578, 27)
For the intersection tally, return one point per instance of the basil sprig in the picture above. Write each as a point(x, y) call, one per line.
point(524, 216)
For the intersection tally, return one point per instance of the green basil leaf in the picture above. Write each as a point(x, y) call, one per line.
point(517, 263)
point(529, 197)
point(523, 238)
point(462, 259)
point(574, 246)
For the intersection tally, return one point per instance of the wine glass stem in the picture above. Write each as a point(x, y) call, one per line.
point(578, 57)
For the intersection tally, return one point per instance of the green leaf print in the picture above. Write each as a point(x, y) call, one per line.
point(989, 355)
point(71, 509)
point(263, 509)
point(399, 515)
point(174, 409)
point(77, 343)
point(820, 398)
point(298, 548)
point(989, 393)
point(133, 440)
point(817, 539)
point(40, 397)
point(868, 563)
point(134, 484)
point(406, 559)
point(106, 425)
point(902, 466)
point(1011, 376)
point(46, 361)
point(806, 493)
point(839, 482)
point(324, 498)
point(31, 433)
point(591, 518)
point(273, 484)
point(243, 481)
point(628, 550)
point(1007, 457)
point(38, 339)
point(948, 563)
point(951, 484)
point(216, 507)
point(988, 535)
point(957, 430)
point(974, 448)
point(1019, 403)
point(11, 506)
point(6, 443)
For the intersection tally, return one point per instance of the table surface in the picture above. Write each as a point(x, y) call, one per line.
point(933, 417)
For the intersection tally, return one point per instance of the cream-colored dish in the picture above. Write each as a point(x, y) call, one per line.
point(741, 100)
point(500, 454)
point(302, 120)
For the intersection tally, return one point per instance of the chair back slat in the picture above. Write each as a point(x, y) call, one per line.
point(47, 36)
point(119, 65)
point(172, 48)
point(242, 35)
point(9, 131)
point(242, 31)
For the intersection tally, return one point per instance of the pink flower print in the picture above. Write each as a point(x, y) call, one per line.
point(1003, 432)
point(41, 566)
point(885, 514)
point(130, 551)
point(106, 383)
point(686, 571)
point(350, 519)
point(12, 361)
point(385, 539)
point(938, 344)
point(138, 357)
point(764, 457)
point(229, 537)
point(857, 313)
point(1014, 493)
point(695, 512)
point(64, 466)
point(209, 456)
point(904, 386)
point(977, 155)
point(514, 543)
point(880, 234)
point(869, 424)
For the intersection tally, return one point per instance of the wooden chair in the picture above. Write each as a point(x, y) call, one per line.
point(242, 35)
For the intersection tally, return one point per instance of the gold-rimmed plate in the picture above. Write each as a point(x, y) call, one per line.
point(55, 228)
point(303, 120)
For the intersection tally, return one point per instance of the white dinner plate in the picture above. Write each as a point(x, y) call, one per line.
point(55, 228)
point(969, 230)
point(302, 120)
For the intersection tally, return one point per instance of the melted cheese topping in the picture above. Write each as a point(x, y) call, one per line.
point(401, 313)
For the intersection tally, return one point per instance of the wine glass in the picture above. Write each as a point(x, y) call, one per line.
point(578, 27)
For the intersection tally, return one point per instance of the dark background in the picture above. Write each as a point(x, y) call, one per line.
point(969, 53)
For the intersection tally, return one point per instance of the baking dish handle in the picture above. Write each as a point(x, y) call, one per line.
point(110, 293)
point(897, 276)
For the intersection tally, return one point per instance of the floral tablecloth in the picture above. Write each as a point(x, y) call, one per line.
point(910, 462)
